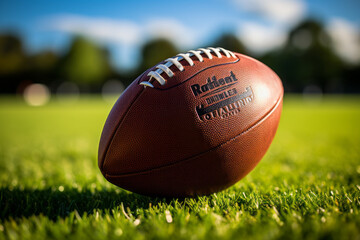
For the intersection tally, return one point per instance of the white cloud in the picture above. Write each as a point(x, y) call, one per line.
point(274, 19)
point(123, 32)
point(346, 39)
point(102, 29)
point(279, 11)
point(172, 30)
point(259, 38)
point(124, 36)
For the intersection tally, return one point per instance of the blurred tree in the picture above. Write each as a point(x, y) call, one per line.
point(307, 59)
point(351, 76)
point(12, 54)
point(41, 66)
point(43, 61)
point(230, 42)
point(85, 63)
point(156, 51)
point(12, 61)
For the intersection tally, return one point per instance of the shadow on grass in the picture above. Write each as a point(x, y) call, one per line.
point(18, 203)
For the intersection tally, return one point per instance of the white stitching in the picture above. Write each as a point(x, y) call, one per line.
point(183, 56)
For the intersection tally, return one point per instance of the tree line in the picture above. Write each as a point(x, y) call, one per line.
point(299, 63)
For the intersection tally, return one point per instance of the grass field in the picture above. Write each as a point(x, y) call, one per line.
point(306, 187)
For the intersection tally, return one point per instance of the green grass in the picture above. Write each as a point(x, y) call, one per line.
point(306, 187)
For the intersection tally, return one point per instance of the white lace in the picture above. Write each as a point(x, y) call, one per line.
point(165, 67)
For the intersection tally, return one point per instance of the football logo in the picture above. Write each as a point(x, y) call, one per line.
point(222, 98)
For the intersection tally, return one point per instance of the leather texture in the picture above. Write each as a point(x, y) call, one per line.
point(190, 137)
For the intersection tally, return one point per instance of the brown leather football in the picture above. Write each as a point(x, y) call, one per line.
point(192, 125)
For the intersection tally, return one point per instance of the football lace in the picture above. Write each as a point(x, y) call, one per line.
point(165, 67)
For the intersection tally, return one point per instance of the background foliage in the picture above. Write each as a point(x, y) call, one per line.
point(305, 60)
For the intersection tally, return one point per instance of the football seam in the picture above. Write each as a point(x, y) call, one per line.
point(117, 127)
point(135, 99)
point(266, 115)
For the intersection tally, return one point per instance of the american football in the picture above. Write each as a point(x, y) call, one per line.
point(191, 125)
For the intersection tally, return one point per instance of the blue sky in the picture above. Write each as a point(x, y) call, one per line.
point(124, 25)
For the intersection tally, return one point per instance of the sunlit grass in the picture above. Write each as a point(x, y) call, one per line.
point(307, 186)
